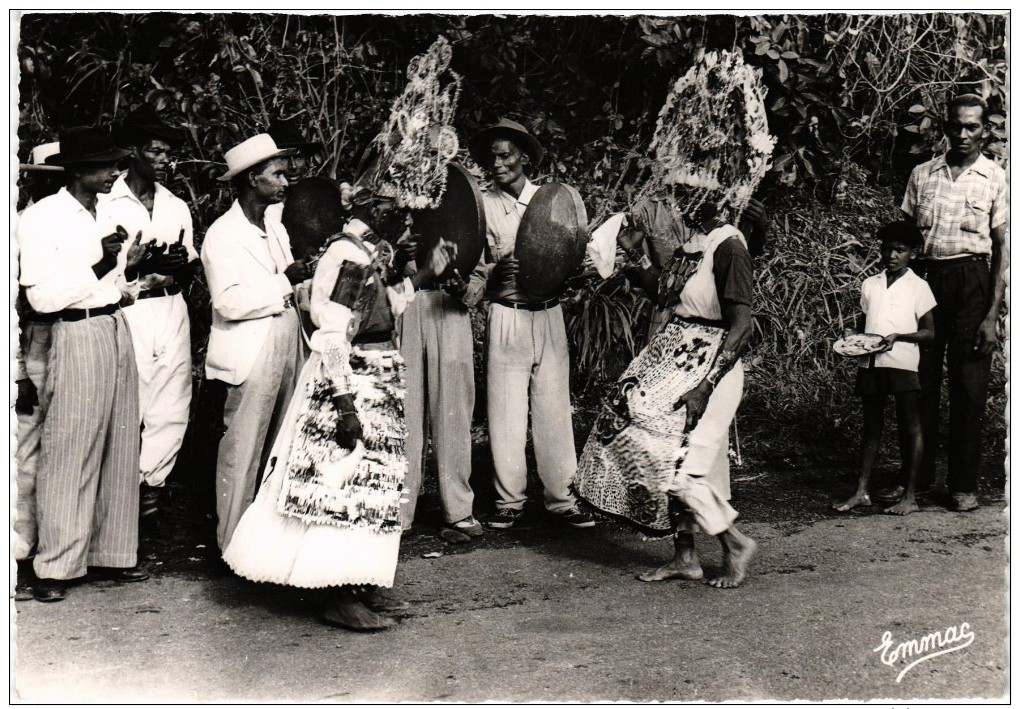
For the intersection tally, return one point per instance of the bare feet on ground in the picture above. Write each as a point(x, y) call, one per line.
point(903, 507)
point(735, 561)
point(354, 615)
point(857, 500)
point(677, 568)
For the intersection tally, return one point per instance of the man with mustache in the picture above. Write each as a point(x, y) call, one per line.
point(254, 344)
point(958, 200)
point(160, 329)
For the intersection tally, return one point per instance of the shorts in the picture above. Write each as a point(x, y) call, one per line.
point(882, 381)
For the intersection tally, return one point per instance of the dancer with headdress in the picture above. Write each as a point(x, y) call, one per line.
point(328, 512)
point(664, 424)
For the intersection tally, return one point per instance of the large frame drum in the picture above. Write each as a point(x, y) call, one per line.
point(551, 240)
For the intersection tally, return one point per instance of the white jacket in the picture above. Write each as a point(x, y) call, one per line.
point(247, 287)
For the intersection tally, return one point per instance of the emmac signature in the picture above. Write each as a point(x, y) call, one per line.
point(931, 645)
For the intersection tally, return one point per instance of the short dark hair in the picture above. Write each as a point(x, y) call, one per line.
point(968, 101)
point(903, 232)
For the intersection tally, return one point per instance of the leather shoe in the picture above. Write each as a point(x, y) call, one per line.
point(113, 573)
point(49, 590)
point(964, 502)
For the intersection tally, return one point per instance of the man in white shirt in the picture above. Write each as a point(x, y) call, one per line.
point(158, 319)
point(254, 344)
point(87, 487)
point(528, 358)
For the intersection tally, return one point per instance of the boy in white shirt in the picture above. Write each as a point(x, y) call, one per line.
point(898, 305)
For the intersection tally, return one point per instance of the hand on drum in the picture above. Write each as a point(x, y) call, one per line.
point(506, 269)
point(440, 257)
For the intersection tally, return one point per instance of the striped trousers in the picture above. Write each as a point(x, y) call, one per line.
point(87, 486)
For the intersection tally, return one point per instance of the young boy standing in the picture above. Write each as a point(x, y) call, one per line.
point(898, 305)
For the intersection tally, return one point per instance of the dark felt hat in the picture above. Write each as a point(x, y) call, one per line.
point(144, 124)
point(86, 144)
point(288, 135)
point(511, 130)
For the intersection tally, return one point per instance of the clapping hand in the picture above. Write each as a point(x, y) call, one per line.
point(298, 272)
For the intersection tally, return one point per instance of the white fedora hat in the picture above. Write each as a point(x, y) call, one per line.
point(37, 158)
point(251, 152)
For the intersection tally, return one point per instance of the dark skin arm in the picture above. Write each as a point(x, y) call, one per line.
point(647, 279)
point(986, 338)
point(737, 317)
point(348, 425)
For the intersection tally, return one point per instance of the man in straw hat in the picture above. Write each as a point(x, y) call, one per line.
point(528, 359)
point(254, 344)
point(87, 487)
point(33, 350)
point(160, 328)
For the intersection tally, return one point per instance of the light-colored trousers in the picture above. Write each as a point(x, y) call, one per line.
point(528, 363)
point(252, 416)
point(437, 349)
point(35, 344)
point(161, 335)
point(698, 484)
point(87, 486)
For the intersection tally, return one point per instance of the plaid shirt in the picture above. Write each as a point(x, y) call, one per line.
point(956, 218)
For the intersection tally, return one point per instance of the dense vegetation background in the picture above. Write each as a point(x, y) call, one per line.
point(854, 100)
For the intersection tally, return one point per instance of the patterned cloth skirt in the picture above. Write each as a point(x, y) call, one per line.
point(326, 515)
point(638, 443)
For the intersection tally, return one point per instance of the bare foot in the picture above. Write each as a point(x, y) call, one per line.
point(381, 602)
point(735, 562)
point(903, 507)
point(857, 500)
point(353, 615)
point(688, 569)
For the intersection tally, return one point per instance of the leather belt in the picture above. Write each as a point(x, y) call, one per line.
point(75, 314)
point(159, 292)
point(40, 318)
point(947, 262)
point(533, 307)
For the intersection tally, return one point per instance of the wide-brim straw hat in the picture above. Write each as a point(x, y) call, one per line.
point(86, 145)
point(251, 152)
point(480, 142)
point(144, 124)
point(287, 135)
point(38, 156)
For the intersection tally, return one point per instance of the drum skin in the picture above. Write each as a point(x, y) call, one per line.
point(460, 218)
point(551, 240)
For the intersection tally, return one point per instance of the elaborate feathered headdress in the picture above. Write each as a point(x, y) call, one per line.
point(410, 155)
point(712, 142)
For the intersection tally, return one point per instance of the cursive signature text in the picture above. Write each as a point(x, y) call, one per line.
point(931, 645)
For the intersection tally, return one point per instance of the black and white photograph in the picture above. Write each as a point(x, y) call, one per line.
point(514, 356)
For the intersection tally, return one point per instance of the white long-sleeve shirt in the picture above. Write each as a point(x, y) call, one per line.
point(169, 215)
point(60, 241)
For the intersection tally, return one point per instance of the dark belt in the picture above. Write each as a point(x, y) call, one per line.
point(949, 262)
point(533, 307)
point(74, 314)
point(159, 292)
point(372, 338)
point(698, 321)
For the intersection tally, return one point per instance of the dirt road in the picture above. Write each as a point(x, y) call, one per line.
point(543, 613)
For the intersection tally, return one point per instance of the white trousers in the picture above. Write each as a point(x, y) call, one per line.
point(161, 335)
point(35, 344)
point(252, 415)
point(529, 367)
point(438, 352)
